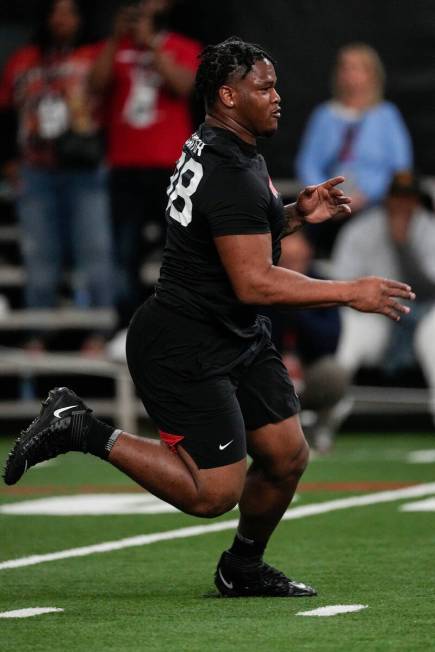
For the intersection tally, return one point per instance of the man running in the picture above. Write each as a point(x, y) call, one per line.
point(201, 359)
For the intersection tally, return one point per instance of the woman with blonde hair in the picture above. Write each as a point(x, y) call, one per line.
point(359, 76)
point(357, 133)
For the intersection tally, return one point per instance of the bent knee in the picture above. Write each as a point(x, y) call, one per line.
point(291, 465)
point(215, 505)
point(296, 464)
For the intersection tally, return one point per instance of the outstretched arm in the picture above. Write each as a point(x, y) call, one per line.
point(316, 204)
point(247, 261)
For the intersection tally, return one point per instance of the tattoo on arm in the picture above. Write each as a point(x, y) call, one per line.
point(294, 220)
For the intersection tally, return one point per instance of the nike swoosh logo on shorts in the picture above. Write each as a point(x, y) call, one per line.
point(223, 446)
point(229, 585)
point(58, 412)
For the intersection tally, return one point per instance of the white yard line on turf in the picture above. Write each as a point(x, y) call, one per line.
point(196, 530)
point(333, 610)
point(421, 457)
point(27, 613)
point(427, 505)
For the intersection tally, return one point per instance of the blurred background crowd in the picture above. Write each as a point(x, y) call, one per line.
point(96, 100)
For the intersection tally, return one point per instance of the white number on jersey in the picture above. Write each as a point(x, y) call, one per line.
point(184, 183)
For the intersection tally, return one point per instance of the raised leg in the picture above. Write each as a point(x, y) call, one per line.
point(175, 477)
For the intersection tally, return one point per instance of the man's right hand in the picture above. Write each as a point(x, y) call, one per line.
point(375, 294)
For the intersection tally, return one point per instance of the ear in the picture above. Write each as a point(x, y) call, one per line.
point(227, 96)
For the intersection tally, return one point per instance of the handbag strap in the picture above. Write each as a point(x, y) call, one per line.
point(345, 153)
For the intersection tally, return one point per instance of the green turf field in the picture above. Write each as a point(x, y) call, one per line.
point(160, 596)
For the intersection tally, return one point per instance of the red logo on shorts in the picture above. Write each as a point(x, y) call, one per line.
point(171, 440)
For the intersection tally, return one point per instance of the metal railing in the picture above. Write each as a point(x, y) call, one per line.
point(124, 408)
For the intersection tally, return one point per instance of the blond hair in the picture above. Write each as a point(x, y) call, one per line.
point(372, 61)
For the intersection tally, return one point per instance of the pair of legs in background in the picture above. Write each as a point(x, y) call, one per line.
point(65, 224)
point(137, 203)
point(64, 218)
point(372, 340)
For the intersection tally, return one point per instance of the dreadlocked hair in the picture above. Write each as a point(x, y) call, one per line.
point(219, 62)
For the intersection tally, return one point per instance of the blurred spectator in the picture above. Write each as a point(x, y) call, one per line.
point(60, 186)
point(357, 134)
point(147, 74)
point(396, 240)
point(308, 340)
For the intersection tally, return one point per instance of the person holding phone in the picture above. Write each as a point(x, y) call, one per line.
point(147, 74)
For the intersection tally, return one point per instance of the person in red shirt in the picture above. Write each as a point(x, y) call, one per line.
point(147, 74)
point(60, 185)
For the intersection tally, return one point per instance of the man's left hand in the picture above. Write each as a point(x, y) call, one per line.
point(319, 203)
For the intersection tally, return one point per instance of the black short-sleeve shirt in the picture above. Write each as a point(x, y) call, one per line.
point(220, 186)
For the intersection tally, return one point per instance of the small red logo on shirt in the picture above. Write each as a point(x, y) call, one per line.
point(273, 190)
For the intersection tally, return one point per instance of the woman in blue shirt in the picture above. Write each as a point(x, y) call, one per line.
point(357, 133)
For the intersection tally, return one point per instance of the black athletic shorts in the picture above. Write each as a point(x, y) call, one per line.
point(203, 390)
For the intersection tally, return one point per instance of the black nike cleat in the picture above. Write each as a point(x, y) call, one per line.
point(59, 428)
point(237, 577)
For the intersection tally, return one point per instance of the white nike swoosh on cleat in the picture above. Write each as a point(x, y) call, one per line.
point(58, 412)
point(223, 446)
point(229, 585)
